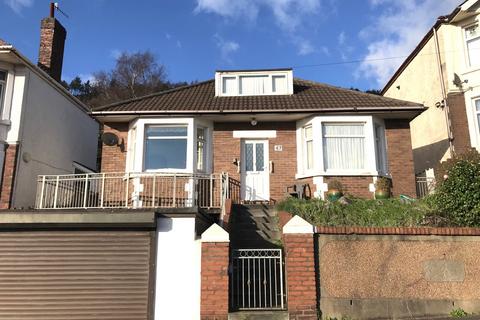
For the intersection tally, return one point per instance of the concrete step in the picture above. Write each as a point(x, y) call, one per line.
point(258, 315)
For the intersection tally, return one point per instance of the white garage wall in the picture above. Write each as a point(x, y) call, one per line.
point(54, 132)
point(177, 292)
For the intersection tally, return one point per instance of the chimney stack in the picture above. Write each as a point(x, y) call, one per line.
point(52, 43)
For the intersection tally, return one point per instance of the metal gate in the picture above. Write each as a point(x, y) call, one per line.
point(256, 279)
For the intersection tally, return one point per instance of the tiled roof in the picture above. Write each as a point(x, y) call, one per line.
point(308, 96)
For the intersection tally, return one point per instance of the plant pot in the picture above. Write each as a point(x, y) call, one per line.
point(382, 194)
point(334, 194)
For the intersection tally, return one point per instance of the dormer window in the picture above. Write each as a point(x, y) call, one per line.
point(254, 83)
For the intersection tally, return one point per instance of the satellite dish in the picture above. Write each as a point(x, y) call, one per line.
point(109, 139)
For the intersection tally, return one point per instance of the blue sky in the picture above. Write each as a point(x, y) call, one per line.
point(192, 38)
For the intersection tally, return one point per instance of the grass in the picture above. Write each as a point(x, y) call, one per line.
point(360, 212)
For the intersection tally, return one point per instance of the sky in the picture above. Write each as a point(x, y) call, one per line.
point(347, 43)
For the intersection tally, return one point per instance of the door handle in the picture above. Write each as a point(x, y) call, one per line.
point(270, 166)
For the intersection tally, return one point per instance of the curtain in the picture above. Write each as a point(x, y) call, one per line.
point(253, 85)
point(343, 146)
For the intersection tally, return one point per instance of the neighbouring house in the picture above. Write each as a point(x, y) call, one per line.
point(443, 73)
point(43, 128)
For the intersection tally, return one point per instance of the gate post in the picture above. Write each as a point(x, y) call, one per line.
point(298, 238)
point(214, 274)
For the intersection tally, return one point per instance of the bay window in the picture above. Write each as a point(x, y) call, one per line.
point(477, 113)
point(343, 146)
point(165, 147)
point(472, 39)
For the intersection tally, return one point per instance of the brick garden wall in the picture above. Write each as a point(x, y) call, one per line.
point(214, 281)
point(9, 168)
point(400, 157)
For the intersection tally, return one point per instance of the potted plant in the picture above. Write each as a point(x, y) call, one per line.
point(382, 188)
point(335, 190)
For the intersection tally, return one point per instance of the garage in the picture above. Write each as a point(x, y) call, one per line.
point(89, 267)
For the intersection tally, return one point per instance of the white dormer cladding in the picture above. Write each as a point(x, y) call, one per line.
point(254, 82)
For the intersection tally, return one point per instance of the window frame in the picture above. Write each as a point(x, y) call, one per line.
point(3, 90)
point(363, 124)
point(305, 141)
point(205, 148)
point(466, 41)
point(476, 114)
point(146, 138)
point(318, 146)
point(269, 84)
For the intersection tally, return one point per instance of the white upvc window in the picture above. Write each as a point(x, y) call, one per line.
point(180, 145)
point(254, 83)
point(477, 114)
point(308, 147)
point(3, 85)
point(343, 146)
point(165, 147)
point(201, 146)
point(472, 41)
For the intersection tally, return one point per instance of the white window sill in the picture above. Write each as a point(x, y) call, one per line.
point(340, 174)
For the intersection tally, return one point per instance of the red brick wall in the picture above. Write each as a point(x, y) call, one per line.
point(114, 158)
point(9, 168)
point(458, 118)
point(226, 148)
point(300, 276)
point(214, 281)
point(400, 157)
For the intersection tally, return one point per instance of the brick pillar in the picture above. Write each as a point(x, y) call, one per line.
point(214, 274)
point(8, 178)
point(300, 269)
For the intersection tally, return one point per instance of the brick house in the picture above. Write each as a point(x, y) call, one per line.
point(267, 130)
point(33, 101)
point(443, 73)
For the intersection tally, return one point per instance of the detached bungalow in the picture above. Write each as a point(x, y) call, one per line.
point(267, 130)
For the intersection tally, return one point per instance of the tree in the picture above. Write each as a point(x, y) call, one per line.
point(134, 75)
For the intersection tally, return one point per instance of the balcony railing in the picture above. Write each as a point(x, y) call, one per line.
point(131, 190)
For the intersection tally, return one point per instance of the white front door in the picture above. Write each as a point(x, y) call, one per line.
point(255, 170)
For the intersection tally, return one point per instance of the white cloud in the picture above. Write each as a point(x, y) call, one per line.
point(288, 14)
point(227, 47)
point(168, 36)
point(397, 31)
point(342, 38)
point(18, 5)
point(344, 48)
point(115, 53)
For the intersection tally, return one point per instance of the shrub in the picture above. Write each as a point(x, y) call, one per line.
point(457, 195)
point(458, 313)
point(359, 212)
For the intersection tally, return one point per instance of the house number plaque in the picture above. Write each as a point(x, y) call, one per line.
point(278, 147)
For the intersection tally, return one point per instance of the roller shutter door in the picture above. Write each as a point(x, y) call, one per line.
point(50, 275)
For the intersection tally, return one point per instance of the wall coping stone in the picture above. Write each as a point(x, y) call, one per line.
point(297, 225)
point(444, 231)
point(215, 233)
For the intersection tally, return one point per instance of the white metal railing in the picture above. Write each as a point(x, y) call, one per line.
point(131, 190)
point(256, 280)
point(424, 186)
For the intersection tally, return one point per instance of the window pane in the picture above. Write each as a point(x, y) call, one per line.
point(200, 148)
point(249, 157)
point(474, 51)
point(279, 84)
point(253, 84)
point(228, 85)
point(308, 133)
point(3, 75)
point(166, 154)
point(344, 146)
point(165, 131)
point(309, 154)
point(259, 155)
point(477, 105)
